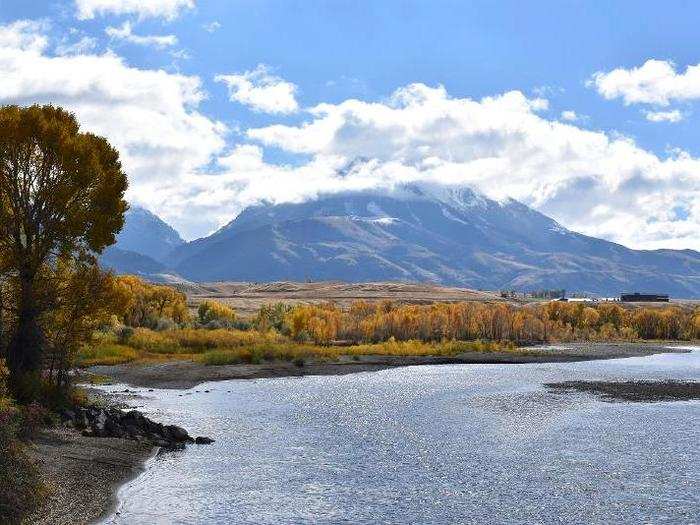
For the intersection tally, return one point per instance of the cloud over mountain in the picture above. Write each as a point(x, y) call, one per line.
point(654, 82)
point(125, 33)
point(506, 147)
point(197, 174)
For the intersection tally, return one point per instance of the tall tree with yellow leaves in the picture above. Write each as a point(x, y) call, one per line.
point(61, 197)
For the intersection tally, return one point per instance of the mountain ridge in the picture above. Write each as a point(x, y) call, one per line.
point(446, 235)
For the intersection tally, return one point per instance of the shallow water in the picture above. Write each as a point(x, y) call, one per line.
point(429, 444)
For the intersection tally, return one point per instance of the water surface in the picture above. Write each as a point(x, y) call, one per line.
point(429, 444)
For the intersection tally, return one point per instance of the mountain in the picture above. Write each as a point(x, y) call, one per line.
point(419, 232)
point(147, 234)
point(142, 247)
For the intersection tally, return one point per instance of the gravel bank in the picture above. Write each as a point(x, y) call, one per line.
point(83, 474)
point(639, 391)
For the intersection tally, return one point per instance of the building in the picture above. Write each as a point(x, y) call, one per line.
point(643, 298)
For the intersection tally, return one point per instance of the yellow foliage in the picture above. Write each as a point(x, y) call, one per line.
point(555, 321)
point(144, 304)
point(213, 311)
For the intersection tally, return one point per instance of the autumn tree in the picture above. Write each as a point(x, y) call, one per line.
point(149, 304)
point(61, 197)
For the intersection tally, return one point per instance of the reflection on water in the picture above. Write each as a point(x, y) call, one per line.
point(434, 444)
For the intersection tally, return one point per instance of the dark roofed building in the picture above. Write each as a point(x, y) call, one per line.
point(643, 298)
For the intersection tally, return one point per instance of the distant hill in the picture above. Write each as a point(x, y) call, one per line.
point(424, 233)
point(147, 234)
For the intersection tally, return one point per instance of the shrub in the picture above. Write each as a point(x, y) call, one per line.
point(163, 324)
point(154, 342)
point(32, 418)
point(210, 311)
point(272, 316)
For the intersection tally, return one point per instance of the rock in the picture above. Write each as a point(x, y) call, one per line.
point(81, 420)
point(178, 434)
point(203, 440)
point(132, 431)
point(114, 429)
point(111, 422)
point(99, 423)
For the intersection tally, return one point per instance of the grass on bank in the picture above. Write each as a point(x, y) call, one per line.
point(224, 347)
point(299, 353)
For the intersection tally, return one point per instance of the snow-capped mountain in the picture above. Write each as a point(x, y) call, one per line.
point(421, 232)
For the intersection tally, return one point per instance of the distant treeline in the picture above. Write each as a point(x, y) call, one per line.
point(161, 307)
point(554, 321)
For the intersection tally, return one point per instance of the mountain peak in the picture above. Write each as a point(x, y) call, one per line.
point(147, 234)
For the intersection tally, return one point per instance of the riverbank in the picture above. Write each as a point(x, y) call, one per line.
point(181, 374)
point(82, 474)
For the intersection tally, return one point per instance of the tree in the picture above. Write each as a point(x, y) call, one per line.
point(61, 197)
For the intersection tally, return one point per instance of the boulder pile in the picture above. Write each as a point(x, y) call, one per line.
point(112, 422)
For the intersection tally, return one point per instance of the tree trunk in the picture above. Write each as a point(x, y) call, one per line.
point(24, 350)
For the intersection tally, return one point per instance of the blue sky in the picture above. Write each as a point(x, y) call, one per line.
point(333, 52)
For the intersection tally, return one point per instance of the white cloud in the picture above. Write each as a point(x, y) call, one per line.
point(211, 26)
point(569, 115)
point(168, 9)
point(25, 35)
point(79, 47)
point(655, 82)
point(261, 90)
point(151, 116)
point(125, 33)
point(664, 116)
point(503, 147)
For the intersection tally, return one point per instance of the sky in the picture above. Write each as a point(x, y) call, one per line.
point(586, 111)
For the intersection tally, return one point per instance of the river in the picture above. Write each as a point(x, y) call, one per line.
point(429, 444)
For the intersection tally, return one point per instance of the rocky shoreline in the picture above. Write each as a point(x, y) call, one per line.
point(94, 451)
point(115, 423)
point(83, 474)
